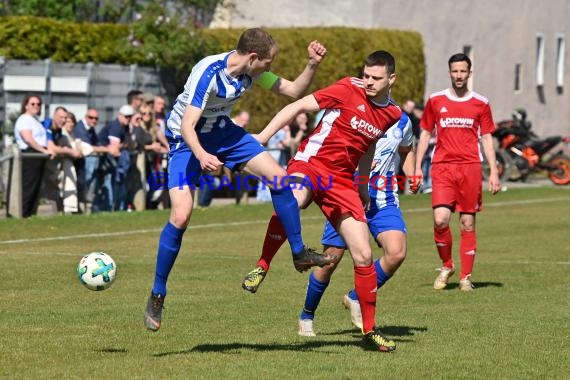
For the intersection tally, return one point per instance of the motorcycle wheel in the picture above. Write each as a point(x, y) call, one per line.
point(504, 165)
point(560, 174)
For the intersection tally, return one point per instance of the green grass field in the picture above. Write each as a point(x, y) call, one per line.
point(515, 325)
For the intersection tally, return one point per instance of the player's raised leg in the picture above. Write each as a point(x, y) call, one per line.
point(286, 207)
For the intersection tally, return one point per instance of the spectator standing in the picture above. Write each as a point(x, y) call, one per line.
point(85, 132)
point(68, 182)
point(65, 155)
point(151, 137)
point(113, 166)
point(31, 137)
point(299, 130)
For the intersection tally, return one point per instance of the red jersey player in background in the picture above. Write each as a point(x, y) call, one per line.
point(459, 117)
point(357, 113)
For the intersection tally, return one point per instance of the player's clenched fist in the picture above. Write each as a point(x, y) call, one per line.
point(317, 51)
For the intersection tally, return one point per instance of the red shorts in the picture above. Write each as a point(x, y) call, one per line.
point(457, 186)
point(335, 194)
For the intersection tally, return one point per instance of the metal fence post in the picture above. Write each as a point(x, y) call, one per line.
point(15, 184)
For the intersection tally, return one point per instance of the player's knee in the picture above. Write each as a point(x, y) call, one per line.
point(180, 218)
point(362, 258)
point(467, 225)
point(397, 256)
point(440, 223)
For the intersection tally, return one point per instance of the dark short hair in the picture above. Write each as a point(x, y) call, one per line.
point(132, 95)
point(381, 58)
point(25, 101)
point(255, 40)
point(459, 57)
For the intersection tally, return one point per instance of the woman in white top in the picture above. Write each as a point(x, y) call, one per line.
point(31, 137)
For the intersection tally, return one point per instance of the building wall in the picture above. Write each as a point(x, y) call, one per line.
point(501, 34)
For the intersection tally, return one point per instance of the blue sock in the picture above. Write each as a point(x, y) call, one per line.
point(381, 278)
point(315, 291)
point(287, 210)
point(168, 247)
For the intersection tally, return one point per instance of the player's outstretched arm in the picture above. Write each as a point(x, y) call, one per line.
point(297, 88)
point(286, 115)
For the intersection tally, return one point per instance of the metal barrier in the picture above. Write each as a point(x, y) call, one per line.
point(13, 195)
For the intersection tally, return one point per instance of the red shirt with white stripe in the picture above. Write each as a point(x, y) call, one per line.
point(350, 124)
point(458, 124)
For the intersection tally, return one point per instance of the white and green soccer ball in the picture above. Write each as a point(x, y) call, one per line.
point(97, 271)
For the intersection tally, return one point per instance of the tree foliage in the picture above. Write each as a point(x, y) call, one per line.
point(197, 12)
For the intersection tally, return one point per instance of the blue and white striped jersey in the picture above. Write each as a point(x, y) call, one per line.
point(383, 188)
point(210, 88)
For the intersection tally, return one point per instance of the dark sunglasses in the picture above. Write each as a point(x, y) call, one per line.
point(92, 117)
point(35, 104)
point(146, 113)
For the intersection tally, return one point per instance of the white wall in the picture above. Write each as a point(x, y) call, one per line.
point(501, 34)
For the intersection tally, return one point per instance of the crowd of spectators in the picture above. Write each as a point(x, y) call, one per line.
point(80, 166)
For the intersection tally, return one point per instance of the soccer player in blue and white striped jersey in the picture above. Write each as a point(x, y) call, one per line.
point(203, 137)
point(385, 222)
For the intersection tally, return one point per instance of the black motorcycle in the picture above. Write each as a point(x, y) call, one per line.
point(521, 152)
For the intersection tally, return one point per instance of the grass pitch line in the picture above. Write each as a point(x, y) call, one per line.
point(250, 222)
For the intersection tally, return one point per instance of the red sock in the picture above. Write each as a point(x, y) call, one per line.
point(274, 239)
point(365, 286)
point(443, 242)
point(467, 249)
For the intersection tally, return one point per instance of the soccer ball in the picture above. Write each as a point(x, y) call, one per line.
point(97, 271)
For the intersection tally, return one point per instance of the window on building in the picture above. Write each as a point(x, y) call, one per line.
point(518, 78)
point(539, 59)
point(560, 51)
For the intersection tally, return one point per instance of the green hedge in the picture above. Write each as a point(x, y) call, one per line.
point(347, 49)
point(39, 38)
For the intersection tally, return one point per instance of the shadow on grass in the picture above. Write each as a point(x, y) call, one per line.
point(310, 345)
point(110, 350)
point(477, 285)
point(391, 331)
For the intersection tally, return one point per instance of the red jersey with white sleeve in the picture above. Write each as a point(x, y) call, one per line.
point(350, 124)
point(458, 124)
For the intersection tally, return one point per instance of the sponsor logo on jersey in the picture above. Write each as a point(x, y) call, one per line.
point(456, 122)
point(361, 108)
point(366, 128)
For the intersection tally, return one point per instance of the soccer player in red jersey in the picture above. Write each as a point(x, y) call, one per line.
point(459, 117)
point(357, 112)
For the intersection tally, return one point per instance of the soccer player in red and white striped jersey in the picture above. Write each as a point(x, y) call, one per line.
point(459, 118)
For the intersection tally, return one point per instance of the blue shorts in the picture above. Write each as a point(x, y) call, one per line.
point(379, 220)
point(233, 145)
